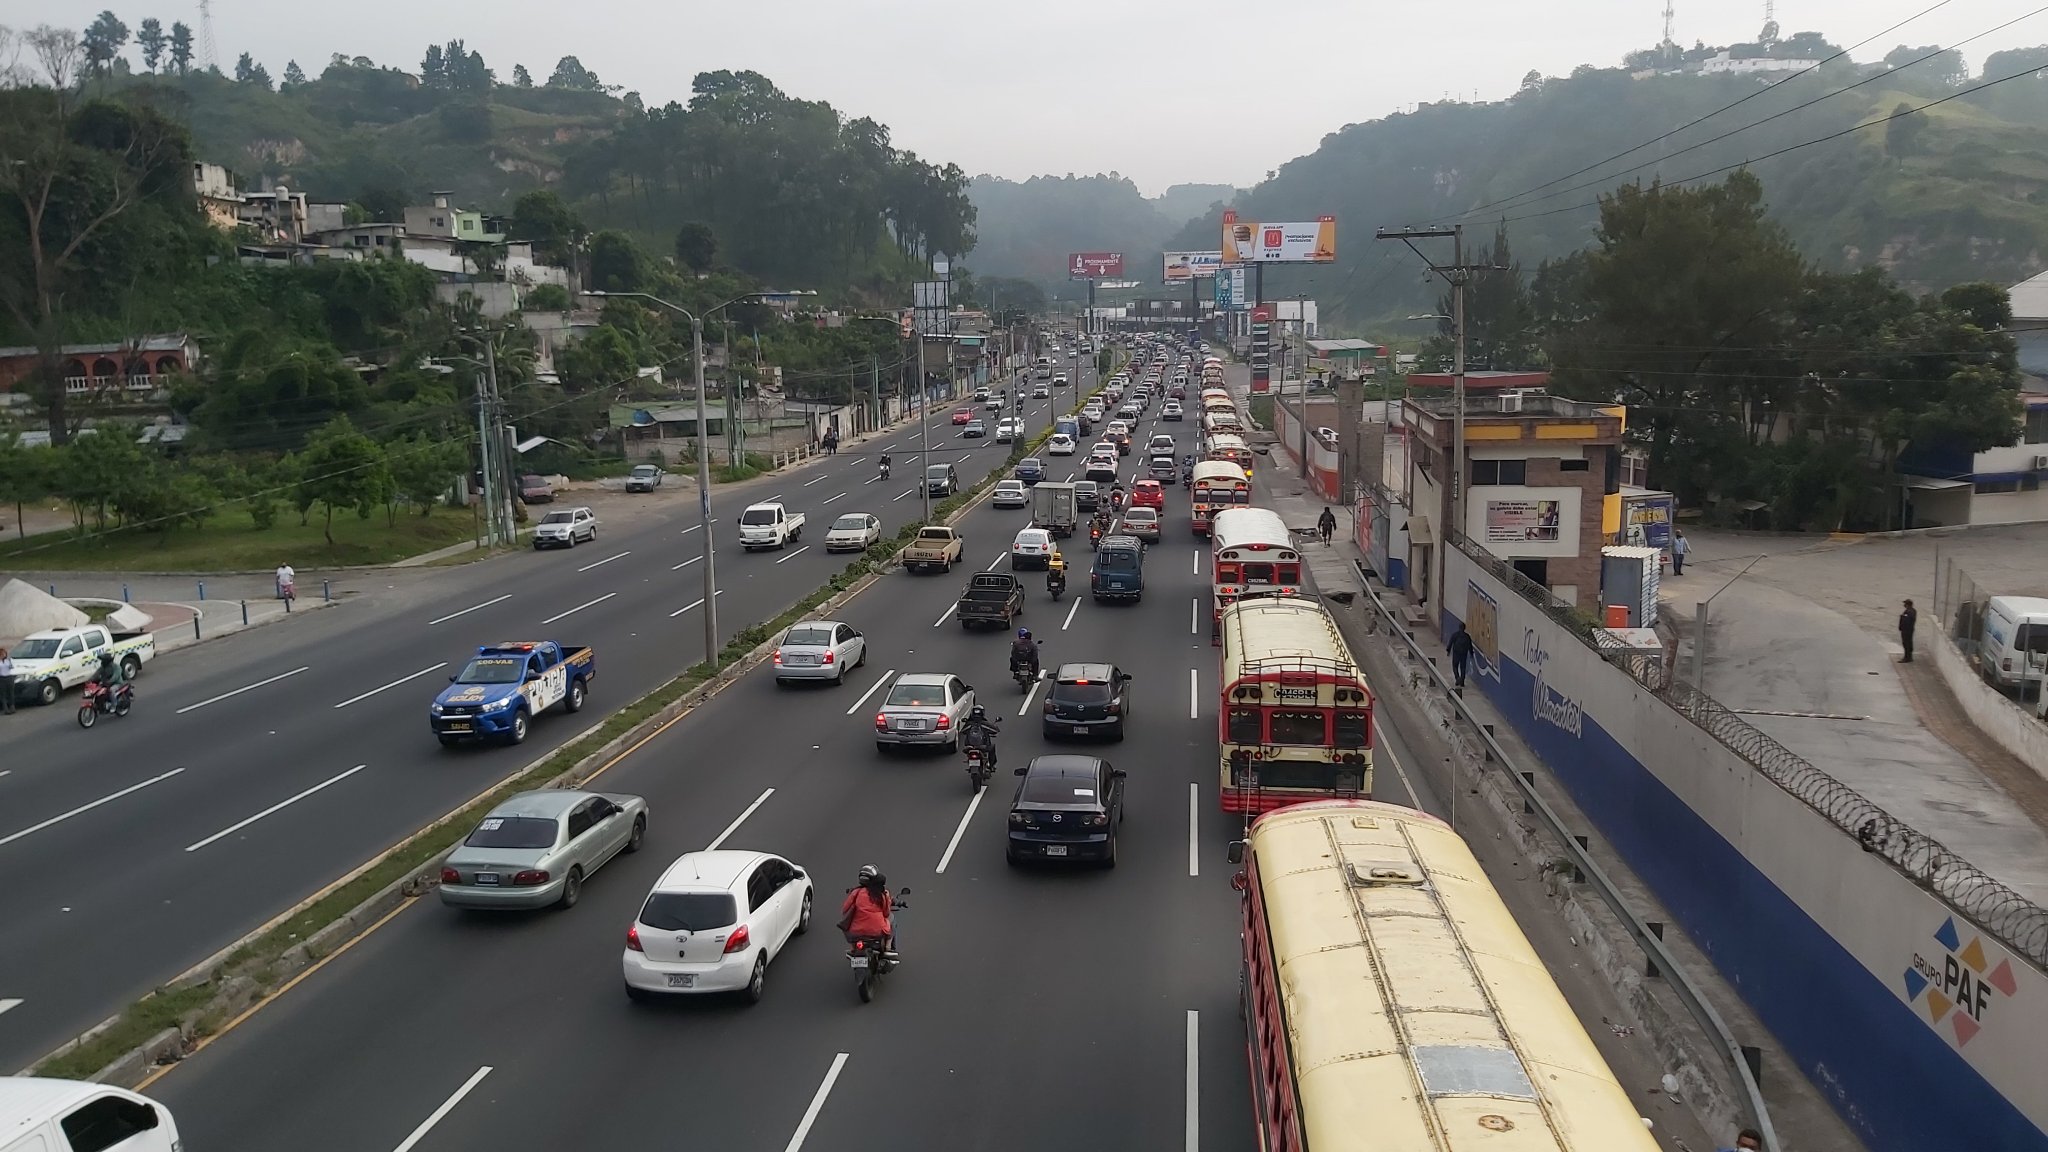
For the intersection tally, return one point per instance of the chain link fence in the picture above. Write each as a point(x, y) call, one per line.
point(2017, 921)
point(1959, 605)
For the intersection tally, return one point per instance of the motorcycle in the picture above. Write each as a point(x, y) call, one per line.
point(885, 469)
point(978, 769)
point(103, 701)
point(871, 959)
point(1056, 584)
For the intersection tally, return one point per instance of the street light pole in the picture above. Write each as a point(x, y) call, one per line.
point(924, 431)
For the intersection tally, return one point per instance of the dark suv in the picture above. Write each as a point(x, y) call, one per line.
point(1087, 700)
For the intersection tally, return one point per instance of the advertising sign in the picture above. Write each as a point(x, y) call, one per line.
point(1262, 347)
point(1646, 519)
point(1522, 521)
point(1231, 295)
point(1249, 242)
point(1184, 266)
point(1095, 266)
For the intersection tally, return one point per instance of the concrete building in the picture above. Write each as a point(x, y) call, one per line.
point(1725, 64)
point(448, 222)
point(219, 199)
point(278, 215)
point(134, 373)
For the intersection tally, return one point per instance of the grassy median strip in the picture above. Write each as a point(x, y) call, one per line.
point(193, 1008)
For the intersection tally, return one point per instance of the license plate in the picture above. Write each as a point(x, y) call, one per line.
point(682, 980)
point(1055, 849)
point(487, 879)
point(800, 660)
point(458, 726)
point(859, 962)
point(1081, 730)
point(911, 725)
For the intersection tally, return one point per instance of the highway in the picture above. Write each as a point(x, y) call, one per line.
point(259, 768)
point(1035, 1008)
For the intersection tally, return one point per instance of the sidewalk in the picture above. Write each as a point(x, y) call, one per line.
point(174, 603)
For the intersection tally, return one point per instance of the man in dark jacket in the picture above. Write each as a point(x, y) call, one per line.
point(1461, 654)
point(1908, 619)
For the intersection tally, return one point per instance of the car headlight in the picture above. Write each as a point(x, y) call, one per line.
point(436, 710)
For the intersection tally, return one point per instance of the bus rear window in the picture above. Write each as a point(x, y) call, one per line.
point(1226, 573)
point(1258, 573)
point(1290, 573)
point(1243, 726)
point(1299, 727)
point(1353, 730)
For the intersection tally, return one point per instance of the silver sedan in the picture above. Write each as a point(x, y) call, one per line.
point(819, 650)
point(923, 708)
point(538, 848)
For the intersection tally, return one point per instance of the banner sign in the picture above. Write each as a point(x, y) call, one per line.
point(1095, 266)
point(1230, 289)
point(1522, 521)
point(1249, 242)
point(1184, 266)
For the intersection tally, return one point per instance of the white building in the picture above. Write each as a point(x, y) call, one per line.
point(1724, 64)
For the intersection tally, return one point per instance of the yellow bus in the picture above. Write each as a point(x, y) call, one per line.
point(1294, 722)
point(1230, 446)
point(1217, 485)
point(1391, 1002)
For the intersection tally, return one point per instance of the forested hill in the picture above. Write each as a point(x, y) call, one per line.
point(1953, 193)
point(792, 190)
point(1026, 229)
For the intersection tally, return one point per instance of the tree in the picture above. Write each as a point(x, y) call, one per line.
point(521, 77)
point(93, 473)
point(26, 474)
point(423, 469)
point(546, 298)
point(434, 68)
point(149, 36)
point(340, 468)
point(696, 246)
point(104, 38)
point(553, 227)
point(603, 359)
point(1500, 332)
point(2016, 60)
point(466, 121)
point(571, 74)
point(260, 76)
point(1902, 132)
point(616, 263)
point(163, 497)
point(181, 47)
point(245, 69)
point(293, 74)
point(634, 104)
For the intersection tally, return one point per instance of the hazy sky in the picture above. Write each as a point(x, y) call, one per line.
point(1163, 91)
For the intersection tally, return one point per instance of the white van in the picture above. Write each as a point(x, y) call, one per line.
point(39, 1115)
point(2013, 647)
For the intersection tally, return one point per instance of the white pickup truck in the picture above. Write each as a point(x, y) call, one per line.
point(769, 526)
point(48, 663)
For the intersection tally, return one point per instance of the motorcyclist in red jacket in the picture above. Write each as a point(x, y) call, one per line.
point(865, 913)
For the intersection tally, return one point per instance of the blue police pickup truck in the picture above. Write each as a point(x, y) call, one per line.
point(504, 686)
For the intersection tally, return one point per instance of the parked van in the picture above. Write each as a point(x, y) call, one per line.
point(2012, 648)
point(42, 1115)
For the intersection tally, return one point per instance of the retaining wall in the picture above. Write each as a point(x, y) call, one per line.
point(1921, 1028)
point(2017, 730)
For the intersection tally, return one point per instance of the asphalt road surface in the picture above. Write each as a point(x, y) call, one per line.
point(1035, 1008)
point(257, 769)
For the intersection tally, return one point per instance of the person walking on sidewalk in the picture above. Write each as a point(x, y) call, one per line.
point(287, 582)
point(1461, 654)
point(6, 683)
point(1680, 549)
point(1327, 525)
point(1909, 618)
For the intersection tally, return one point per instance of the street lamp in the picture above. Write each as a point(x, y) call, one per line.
point(704, 446)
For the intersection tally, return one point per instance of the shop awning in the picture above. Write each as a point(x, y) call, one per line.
point(1418, 530)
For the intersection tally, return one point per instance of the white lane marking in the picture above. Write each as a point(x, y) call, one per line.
point(446, 1107)
point(1026, 706)
point(1194, 829)
point(393, 684)
point(274, 808)
point(1380, 745)
point(1070, 614)
point(889, 446)
point(855, 706)
point(6, 771)
point(1195, 616)
point(962, 829)
point(1194, 694)
point(9, 1004)
point(238, 691)
point(739, 820)
point(84, 808)
point(906, 492)
point(792, 555)
point(685, 564)
point(579, 608)
point(1194, 1086)
point(803, 1127)
point(692, 604)
point(1000, 557)
point(946, 615)
point(829, 499)
point(1198, 562)
point(772, 499)
point(606, 560)
point(821, 479)
point(694, 527)
point(468, 610)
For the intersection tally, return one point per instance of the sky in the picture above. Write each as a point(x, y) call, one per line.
point(1186, 91)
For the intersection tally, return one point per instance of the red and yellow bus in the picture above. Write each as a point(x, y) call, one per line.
point(1230, 446)
point(1251, 553)
point(1391, 1001)
point(1296, 715)
point(1217, 485)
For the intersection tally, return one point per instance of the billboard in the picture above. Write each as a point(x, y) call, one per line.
point(1095, 266)
point(1522, 521)
point(1184, 266)
point(1230, 289)
point(1249, 242)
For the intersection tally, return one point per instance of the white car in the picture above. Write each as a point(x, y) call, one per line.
point(1161, 443)
point(1010, 494)
point(1008, 430)
point(853, 532)
point(1171, 410)
point(1040, 392)
point(1059, 380)
point(1031, 549)
point(993, 403)
point(1118, 428)
point(819, 650)
point(1061, 444)
point(564, 527)
point(713, 922)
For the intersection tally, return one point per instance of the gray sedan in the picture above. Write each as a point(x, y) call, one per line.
point(923, 708)
point(537, 848)
point(819, 650)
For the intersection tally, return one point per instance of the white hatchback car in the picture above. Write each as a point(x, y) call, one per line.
point(1031, 549)
point(1061, 444)
point(714, 922)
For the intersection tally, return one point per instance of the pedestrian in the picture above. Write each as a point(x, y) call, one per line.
point(1461, 654)
point(1747, 1140)
point(287, 581)
point(1680, 549)
point(1327, 525)
point(6, 683)
point(1908, 619)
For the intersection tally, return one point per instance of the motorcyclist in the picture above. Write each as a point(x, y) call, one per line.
point(1056, 571)
point(885, 465)
point(108, 674)
point(980, 731)
point(1024, 651)
point(865, 914)
point(1116, 497)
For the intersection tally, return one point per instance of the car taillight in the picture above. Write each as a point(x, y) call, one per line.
point(944, 723)
point(737, 942)
point(1019, 818)
point(1098, 820)
point(1050, 708)
point(529, 877)
point(778, 657)
point(633, 938)
point(450, 876)
point(1115, 707)
point(826, 660)
point(881, 719)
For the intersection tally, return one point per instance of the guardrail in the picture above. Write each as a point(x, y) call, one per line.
point(1653, 948)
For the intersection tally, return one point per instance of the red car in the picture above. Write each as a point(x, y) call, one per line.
point(962, 415)
point(1148, 494)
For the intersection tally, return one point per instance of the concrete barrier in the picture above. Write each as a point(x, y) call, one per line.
point(2017, 730)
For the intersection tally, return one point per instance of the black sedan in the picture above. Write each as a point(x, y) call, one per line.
point(1087, 700)
point(1066, 807)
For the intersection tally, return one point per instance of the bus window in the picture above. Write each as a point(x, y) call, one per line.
point(1290, 573)
point(1351, 730)
point(1226, 573)
point(1258, 573)
point(1244, 726)
point(1299, 727)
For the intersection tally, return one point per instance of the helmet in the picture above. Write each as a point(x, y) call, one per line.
point(869, 872)
point(1023, 633)
point(979, 713)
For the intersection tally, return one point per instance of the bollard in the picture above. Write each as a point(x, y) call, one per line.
point(327, 591)
point(53, 591)
point(124, 595)
point(245, 613)
point(202, 589)
point(195, 626)
point(1656, 928)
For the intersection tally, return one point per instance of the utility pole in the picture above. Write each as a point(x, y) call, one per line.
point(1300, 360)
point(486, 472)
point(704, 491)
point(924, 431)
point(508, 480)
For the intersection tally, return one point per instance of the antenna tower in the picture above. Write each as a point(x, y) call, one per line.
point(209, 56)
point(1770, 11)
point(1670, 16)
